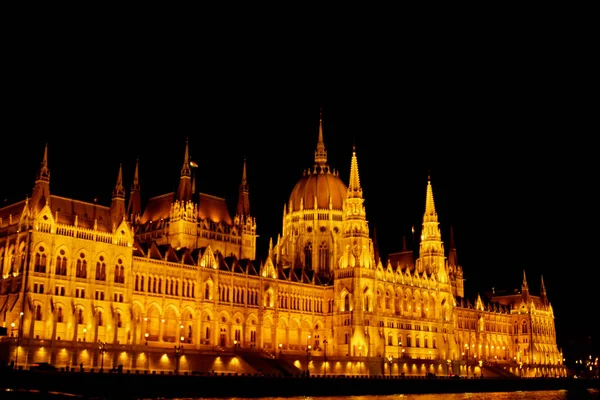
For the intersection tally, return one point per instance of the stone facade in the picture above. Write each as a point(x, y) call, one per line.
point(79, 280)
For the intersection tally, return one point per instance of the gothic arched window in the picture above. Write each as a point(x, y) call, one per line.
point(324, 257)
point(308, 255)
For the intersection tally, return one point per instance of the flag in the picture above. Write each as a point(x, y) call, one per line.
point(193, 164)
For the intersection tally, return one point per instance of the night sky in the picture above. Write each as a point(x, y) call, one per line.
point(507, 148)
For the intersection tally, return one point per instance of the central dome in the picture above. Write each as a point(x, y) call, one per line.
point(321, 186)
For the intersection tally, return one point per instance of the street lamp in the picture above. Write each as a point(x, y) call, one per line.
point(390, 360)
point(467, 359)
point(12, 326)
point(448, 361)
point(178, 353)
point(146, 336)
point(102, 348)
point(307, 353)
point(234, 347)
point(280, 347)
point(325, 358)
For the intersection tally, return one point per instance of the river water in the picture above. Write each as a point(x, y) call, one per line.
point(590, 394)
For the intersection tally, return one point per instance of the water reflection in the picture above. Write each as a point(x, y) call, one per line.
point(590, 394)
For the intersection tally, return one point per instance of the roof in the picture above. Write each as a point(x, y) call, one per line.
point(210, 207)
point(325, 186)
point(87, 214)
point(213, 208)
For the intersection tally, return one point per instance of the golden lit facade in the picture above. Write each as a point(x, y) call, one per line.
point(182, 272)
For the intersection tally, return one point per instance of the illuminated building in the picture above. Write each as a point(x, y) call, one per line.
point(182, 273)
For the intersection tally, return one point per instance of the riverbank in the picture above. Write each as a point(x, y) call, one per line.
point(135, 386)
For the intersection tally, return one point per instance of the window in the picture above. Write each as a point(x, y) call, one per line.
point(80, 316)
point(347, 302)
point(61, 264)
point(59, 290)
point(100, 320)
point(81, 267)
point(308, 256)
point(80, 292)
point(40, 260)
point(38, 288)
point(38, 313)
point(119, 272)
point(101, 269)
point(59, 315)
point(324, 257)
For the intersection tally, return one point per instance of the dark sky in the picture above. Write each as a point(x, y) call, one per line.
point(507, 141)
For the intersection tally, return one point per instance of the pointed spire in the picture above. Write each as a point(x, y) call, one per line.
point(184, 193)
point(119, 190)
point(185, 169)
point(543, 295)
point(320, 152)
point(134, 208)
point(430, 214)
point(243, 206)
point(41, 189)
point(354, 189)
point(136, 176)
point(542, 287)
point(244, 181)
point(117, 206)
point(525, 288)
point(44, 172)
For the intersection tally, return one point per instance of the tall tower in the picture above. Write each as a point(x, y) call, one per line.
point(432, 258)
point(432, 263)
point(184, 212)
point(354, 277)
point(312, 219)
point(244, 220)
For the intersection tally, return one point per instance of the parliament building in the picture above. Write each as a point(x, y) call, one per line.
point(175, 285)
